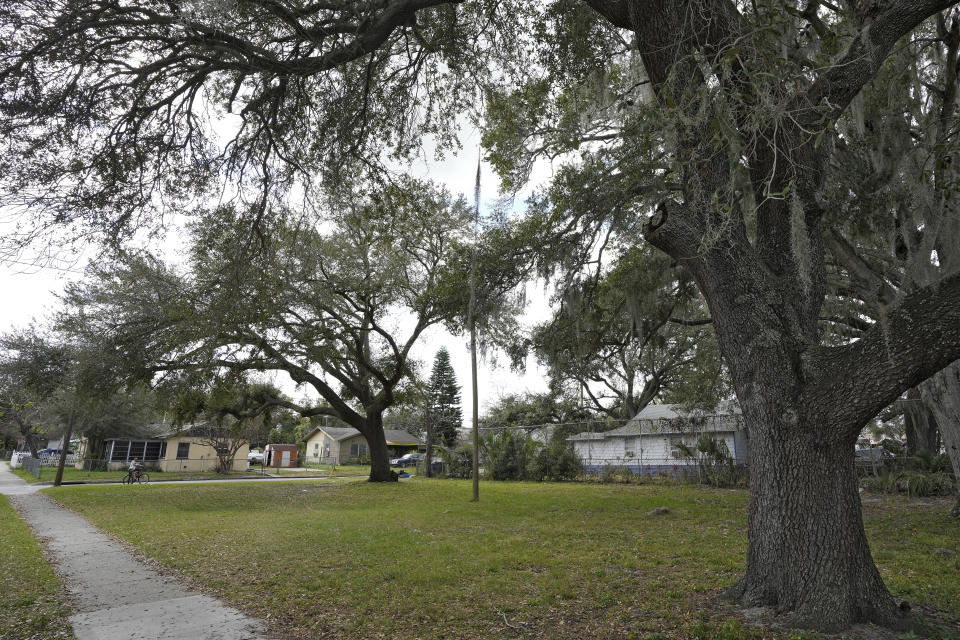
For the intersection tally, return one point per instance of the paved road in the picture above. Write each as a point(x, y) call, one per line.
point(114, 595)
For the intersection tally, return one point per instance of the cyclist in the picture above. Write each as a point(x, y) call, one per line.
point(133, 471)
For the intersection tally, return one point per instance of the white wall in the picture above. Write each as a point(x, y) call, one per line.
point(649, 449)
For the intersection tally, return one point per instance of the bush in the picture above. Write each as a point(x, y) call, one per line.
point(613, 473)
point(715, 465)
point(926, 462)
point(459, 462)
point(929, 484)
point(893, 446)
point(914, 484)
point(509, 455)
point(556, 462)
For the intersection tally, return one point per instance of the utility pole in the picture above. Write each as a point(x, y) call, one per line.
point(472, 320)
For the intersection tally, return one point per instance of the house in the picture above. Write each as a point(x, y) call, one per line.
point(183, 450)
point(280, 456)
point(337, 445)
point(649, 442)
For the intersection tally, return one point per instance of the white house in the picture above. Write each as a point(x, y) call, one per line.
point(648, 442)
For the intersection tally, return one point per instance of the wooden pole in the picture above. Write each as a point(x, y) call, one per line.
point(473, 341)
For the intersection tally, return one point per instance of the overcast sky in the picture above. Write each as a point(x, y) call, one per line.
point(29, 293)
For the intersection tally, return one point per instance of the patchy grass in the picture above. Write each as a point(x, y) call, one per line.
point(418, 560)
point(31, 604)
point(916, 544)
point(323, 470)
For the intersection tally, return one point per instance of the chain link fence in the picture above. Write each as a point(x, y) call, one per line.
point(705, 448)
point(99, 469)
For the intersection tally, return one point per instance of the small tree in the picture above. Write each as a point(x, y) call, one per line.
point(226, 435)
point(557, 461)
point(509, 454)
point(459, 462)
point(444, 400)
point(232, 412)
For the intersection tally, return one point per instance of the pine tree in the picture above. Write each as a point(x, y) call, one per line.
point(444, 411)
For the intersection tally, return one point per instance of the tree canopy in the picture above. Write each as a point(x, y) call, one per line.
point(338, 310)
point(630, 335)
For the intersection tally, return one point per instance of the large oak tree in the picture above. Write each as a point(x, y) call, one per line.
point(337, 307)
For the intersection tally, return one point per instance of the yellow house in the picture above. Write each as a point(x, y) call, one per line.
point(338, 445)
point(180, 451)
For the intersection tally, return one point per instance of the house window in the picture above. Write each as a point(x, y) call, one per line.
point(629, 447)
point(316, 449)
point(120, 450)
point(183, 450)
point(153, 451)
point(358, 449)
point(675, 450)
point(136, 449)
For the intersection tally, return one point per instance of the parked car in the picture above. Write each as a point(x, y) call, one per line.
point(874, 453)
point(255, 457)
point(408, 460)
point(873, 459)
point(53, 452)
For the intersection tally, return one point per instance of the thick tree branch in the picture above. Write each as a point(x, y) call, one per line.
point(919, 338)
point(872, 286)
point(881, 27)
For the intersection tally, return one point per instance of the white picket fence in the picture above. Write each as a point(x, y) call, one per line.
point(18, 457)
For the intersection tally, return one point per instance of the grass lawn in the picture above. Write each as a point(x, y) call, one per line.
point(31, 606)
point(418, 560)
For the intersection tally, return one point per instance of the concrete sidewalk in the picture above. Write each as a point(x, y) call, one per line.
point(114, 595)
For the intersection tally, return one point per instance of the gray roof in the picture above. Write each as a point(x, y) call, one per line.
point(185, 430)
point(156, 431)
point(338, 433)
point(398, 437)
point(393, 436)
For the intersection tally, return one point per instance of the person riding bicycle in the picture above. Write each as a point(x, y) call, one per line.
point(133, 471)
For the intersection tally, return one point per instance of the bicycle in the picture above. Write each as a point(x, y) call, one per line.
point(136, 477)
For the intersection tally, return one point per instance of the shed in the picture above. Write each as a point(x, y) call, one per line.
point(280, 456)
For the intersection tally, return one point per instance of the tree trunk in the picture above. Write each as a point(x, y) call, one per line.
point(428, 458)
point(32, 443)
point(920, 424)
point(64, 448)
point(808, 554)
point(379, 454)
point(942, 394)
